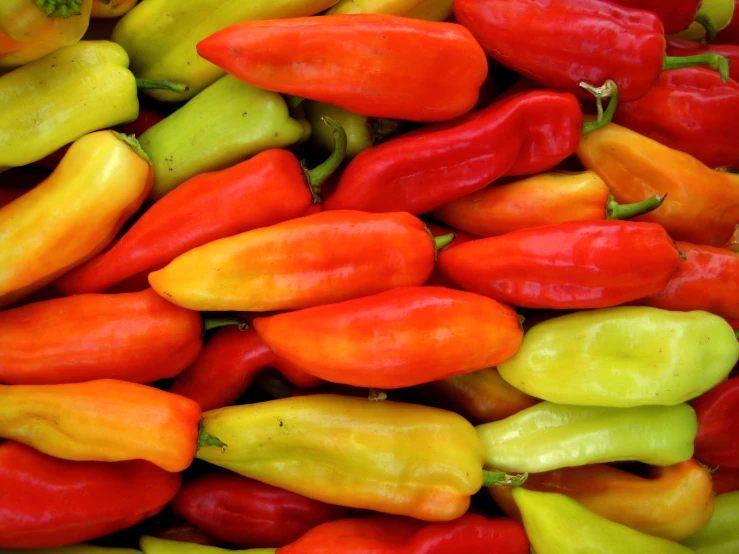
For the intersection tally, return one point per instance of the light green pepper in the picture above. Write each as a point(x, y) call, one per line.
point(431, 10)
point(721, 535)
point(624, 356)
point(154, 545)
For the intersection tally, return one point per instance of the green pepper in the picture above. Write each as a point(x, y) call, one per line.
point(432, 10)
point(623, 357)
point(721, 535)
point(225, 124)
point(155, 545)
point(557, 524)
point(549, 436)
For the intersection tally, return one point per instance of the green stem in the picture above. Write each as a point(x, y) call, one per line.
point(318, 175)
point(704, 19)
point(609, 91)
point(442, 241)
point(60, 8)
point(502, 479)
point(151, 84)
point(206, 439)
point(711, 59)
point(380, 129)
point(211, 323)
point(614, 210)
point(131, 141)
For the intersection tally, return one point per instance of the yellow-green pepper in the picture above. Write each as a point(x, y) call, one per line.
point(155, 545)
point(719, 11)
point(431, 10)
point(721, 535)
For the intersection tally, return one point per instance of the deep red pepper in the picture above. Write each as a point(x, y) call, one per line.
point(677, 47)
point(47, 502)
point(675, 15)
point(725, 480)
point(717, 442)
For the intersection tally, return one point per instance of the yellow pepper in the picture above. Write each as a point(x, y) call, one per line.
point(431, 10)
point(720, 11)
point(154, 545)
point(721, 535)
point(103, 9)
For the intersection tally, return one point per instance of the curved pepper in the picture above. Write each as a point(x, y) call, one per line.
point(398, 338)
point(155, 545)
point(702, 205)
point(51, 502)
point(672, 502)
point(104, 420)
point(431, 10)
point(250, 514)
point(675, 15)
point(556, 523)
point(358, 62)
point(717, 443)
point(622, 357)
point(551, 436)
point(106, 177)
point(720, 12)
point(677, 47)
point(721, 535)
point(437, 278)
point(111, 8)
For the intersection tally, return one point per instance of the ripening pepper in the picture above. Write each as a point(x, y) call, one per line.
point(675, 15)
point(111, 8)
point(431, 10)
point(672, 502)
point(677, 47)
point(556, 523)
point(105, 177)
point(550, 436)
point(359, 62)
point(702, 205)
point(155, 545)
point(51, 502)
point(721, 535)
point(104, 420)
point(721, 12)
point(398, 338)
point(717, 443)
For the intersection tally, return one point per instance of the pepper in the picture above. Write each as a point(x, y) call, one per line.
point(111, 8)
point(431, 10)
point(721, 535)
point(725, 480)
point(687, 110)
point(733, 242)
point(82, 548)
point(718, 414)
point(556, 523)
point(398, 338)
point(675, 16)
point(359, 62)
point(31, 29)
point(180, 24)
point(8, 194)
point(721, 12)
point(154, 545)
point(51, 502)
point(550, 436)
point(104, 420)
point(471, 533)
point(183, 532)
point(105, 177)
point(241, 121)
point(730, 33)
point(702, 205)
point(250, 514)
point(677, 47)
point(577, 40)
point(437, 278)
point(672, 502)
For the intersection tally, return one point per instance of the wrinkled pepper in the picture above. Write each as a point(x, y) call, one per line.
point(398, 338)
point(111, 8)
point(672, 502)
point(431, 10)
point(358, 62)
point(677, 47)
point(104, 420)
point(556, 523)
point(550, 436)
point(250, 514)
point(717, 443)
point(105, 176)
point(576, 41)
point(721, 535)
point(675, 15)
point(624, 356)
point(702, 205)
point(51, 502)
point(721, 12)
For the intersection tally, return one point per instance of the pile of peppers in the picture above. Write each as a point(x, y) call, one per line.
point(369, 276)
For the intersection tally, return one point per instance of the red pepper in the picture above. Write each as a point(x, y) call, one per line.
point(561, 43)
point(398, 338)
point(249, 514)
point(360, 62)
point(717, 442)
point(675, 15)
point(725, 480)
point(471, 534)
point(437, 278)
point(677, 47)
point(48, 502)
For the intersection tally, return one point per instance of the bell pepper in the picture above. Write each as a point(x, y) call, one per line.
point(550, 436)
point(51, 502)
point(31, 29)
point(577, 40)
point(672, 502)
point(111, 8)
point(358, 62)
point(241, 121)
point(702, 205)
point(104, 420)
point(687, 110)
point(730, 33)
point(725, 480)
point(721, 12)
point(154, 545)
point(180, 24)
point(398, 338)
point(228, 364)
point(381, 534)
point(721, 535)
point(437, 278)
point(677, 47)
point(717, 443)
point(106, 177)
point(431, 10)
point(556, 523)
point(250, 514)
point(676, 15)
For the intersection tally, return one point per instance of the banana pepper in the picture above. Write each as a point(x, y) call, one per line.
point(155, 545)
point(721, 535)
point(431, 10)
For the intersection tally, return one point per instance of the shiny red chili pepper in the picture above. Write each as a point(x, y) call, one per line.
point(717, 442)
point(48, 502)
point(675, 15)
point(677, 47)
point(725, 480)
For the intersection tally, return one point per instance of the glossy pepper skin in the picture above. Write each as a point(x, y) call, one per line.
point(382, 534)
point(250, 514)
point(556, 523)
point(111, 8)
point(550, 436)
point(717, 443)
point(50, 502)
point(358, 62)
point(677, 47)
point(425, 463)
point(687, 110)
point(676, 15)
point(104, 420)
point(720, 535)
point(421, 171)
point(672, 502)
point(106, 179)
point(702, 205)
point(662, 357)
point(398, 338)
point(431, 10)
point(437, 278)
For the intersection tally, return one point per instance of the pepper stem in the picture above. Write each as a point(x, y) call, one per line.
point(131, 141)
point(60, 8)
point(206, 439)
point(293, 101)
point(380, 129)
point(502, 479)
point(609, 91)
point(704, 19)
point(211, 323)
point(614, 210)
point(443, 240)
point(151, 84)
point(318, 175)
point(709, 59)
